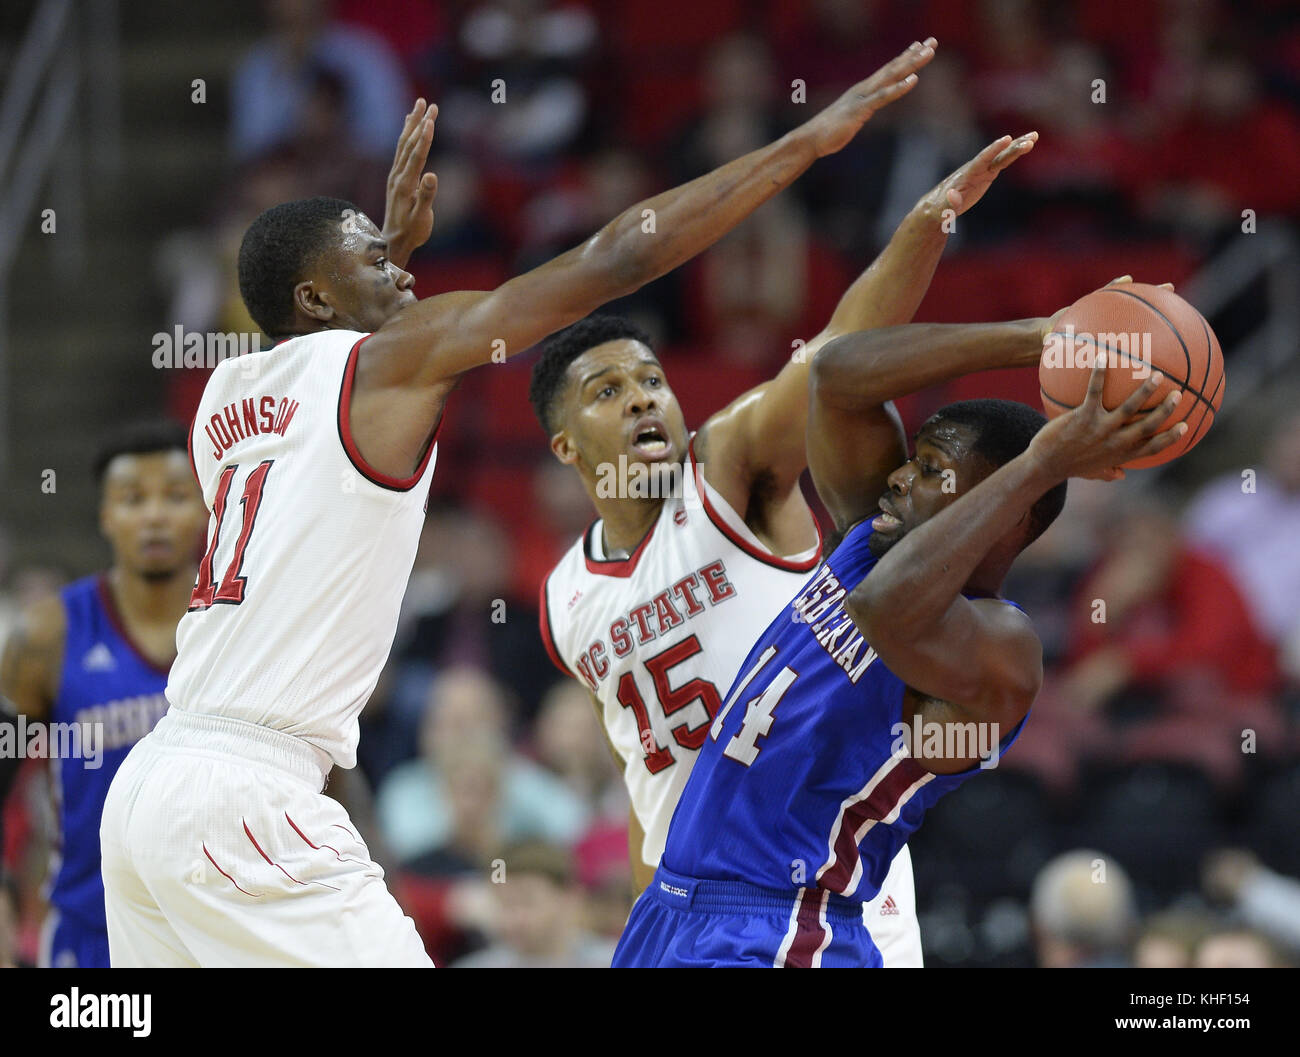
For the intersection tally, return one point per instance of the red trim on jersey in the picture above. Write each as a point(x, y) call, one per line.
point(255, 895)
point(614, 566)
point(888, 796)
point(766, 557)
point(397, 484)
point(119, 625)
point(544, 619)
point(811, 936)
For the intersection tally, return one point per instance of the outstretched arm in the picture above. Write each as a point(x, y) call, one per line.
point(434, 340)
point(980, 658)
point(762, 433)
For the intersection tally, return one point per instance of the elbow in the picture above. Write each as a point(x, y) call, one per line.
point(866, 605)
point(623, 258)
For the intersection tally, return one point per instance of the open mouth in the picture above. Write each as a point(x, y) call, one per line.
point(886, 520)
point(650, 441)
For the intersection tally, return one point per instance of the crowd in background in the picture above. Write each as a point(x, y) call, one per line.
point(1161, 121)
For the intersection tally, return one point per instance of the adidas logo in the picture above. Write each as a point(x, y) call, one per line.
point(99, 658)
point(888, 907)
point(679, 518)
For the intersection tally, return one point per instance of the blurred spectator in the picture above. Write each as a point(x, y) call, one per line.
point(605, 873)
point(562, 512)
point(1070, 190)
point(1207, 165)
point(455, 613)
point(418, 806)
point(1082, 912)
point(1163, 641)
point(529, 56)
point(1251, 520)
point(275, 79)
point(1264, 900)
point(538, 916)
point(569, 741)
point(1236, 948)
point(1168, 940)
point(566, 213)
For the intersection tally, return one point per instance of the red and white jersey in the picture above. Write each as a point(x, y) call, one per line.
point(309, 549)
point(659, 636)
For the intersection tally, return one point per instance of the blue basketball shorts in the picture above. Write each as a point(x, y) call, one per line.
point(69, 943)
point(685, 922)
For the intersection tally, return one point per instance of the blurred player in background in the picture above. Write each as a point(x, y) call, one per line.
point(315, 458)
point(97, 654)
point(810, 780)
point(655, 607)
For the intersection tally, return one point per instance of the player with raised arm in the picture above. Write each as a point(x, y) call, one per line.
point(812, 777)
point(95, 657)
point(655, 607)
point(315, 459)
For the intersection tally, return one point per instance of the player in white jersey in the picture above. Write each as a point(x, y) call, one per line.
point(315, 458)
point(701, 540)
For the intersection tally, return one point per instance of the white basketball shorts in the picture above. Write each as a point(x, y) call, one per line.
point(891, 916)
point(219, 849)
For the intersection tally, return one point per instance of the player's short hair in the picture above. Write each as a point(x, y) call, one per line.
point(563, 348)
point(139, 438)
point(1003, 430)
point(276, 252)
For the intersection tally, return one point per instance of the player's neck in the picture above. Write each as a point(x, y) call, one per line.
point(626, 522)
point(152, 601)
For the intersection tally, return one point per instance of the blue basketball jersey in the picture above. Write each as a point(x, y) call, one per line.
point(108, 683)
point(805, 781)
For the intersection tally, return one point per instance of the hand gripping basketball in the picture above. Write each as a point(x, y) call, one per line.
point(1090, 441)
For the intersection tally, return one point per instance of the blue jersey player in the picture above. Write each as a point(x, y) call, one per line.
point(97, 655)
point(897, 672)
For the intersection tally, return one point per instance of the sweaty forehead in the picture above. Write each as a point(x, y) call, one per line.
point(358, 233)
point(951, 438)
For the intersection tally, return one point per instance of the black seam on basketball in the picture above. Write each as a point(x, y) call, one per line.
point(1051, 399)
point(1173, 329)
point(1209, 357)
point(1088, 339)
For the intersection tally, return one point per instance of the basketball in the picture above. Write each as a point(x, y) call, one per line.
point(1140, 328)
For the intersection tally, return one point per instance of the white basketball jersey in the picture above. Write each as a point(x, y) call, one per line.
point(309, 549)
point(658, 637)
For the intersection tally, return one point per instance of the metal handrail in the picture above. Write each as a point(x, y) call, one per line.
point(38, 109)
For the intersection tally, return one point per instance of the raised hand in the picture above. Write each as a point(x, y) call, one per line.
point(839, 122)
point(1093, 442)
point(967, 185)
point(408, 205)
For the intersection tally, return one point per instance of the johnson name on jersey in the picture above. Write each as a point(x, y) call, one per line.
point(309, 549)
point(655, 644)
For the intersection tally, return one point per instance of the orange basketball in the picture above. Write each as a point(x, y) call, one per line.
point(1140, 328)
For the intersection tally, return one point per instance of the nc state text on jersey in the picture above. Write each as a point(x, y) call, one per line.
point(659, 615)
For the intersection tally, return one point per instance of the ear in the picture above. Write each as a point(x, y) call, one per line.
point(564, 449)
point(313, 302)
